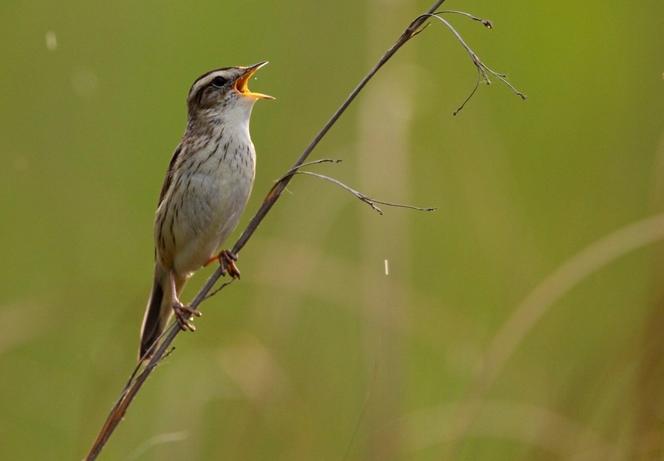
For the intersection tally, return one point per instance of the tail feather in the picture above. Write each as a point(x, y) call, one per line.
point(152, 326)
point(160, 307)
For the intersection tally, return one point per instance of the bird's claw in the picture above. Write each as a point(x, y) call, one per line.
point(227, 260)
point(184, 315)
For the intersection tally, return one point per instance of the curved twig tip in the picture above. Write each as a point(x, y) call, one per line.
point(485, 22)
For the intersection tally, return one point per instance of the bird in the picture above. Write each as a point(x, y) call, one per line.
point(206, 188)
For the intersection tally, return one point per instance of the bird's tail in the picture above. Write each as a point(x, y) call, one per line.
point(159, 309)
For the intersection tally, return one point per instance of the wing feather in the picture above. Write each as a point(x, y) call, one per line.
point(169, 174)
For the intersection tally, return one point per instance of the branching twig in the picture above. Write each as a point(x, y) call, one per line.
point(363, 197)
point(483, 71)
point(223, 285)
point(373, 203)
point(161, 347)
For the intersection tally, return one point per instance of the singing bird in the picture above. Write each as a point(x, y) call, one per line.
point(207, 185)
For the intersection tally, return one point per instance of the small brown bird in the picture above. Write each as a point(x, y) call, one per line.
point(206, 188)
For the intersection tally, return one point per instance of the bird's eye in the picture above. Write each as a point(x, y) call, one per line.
point(218, 82)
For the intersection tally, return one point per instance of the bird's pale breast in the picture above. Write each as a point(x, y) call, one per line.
point(208, 194)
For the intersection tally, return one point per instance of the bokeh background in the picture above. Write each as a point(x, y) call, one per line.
point(523, 320)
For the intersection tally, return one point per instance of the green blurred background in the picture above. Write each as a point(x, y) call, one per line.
point(523, 320)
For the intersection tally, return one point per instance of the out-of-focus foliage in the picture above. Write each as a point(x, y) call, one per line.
point(317, 354)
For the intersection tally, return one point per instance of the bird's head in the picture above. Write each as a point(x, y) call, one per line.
point(224, 93)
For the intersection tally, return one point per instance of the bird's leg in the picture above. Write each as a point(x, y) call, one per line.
point(227, 260)
point(183, 313)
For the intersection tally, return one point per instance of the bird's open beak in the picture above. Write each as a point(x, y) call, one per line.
point(242, 82)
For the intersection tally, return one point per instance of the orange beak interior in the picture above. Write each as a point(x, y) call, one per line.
point(242, 84)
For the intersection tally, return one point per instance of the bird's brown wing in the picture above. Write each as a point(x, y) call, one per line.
point(169, 174)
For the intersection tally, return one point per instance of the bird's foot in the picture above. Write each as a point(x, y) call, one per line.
point(227, 261)
point(184, 315)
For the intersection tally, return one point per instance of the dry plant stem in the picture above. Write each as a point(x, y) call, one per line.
point(162, 346)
